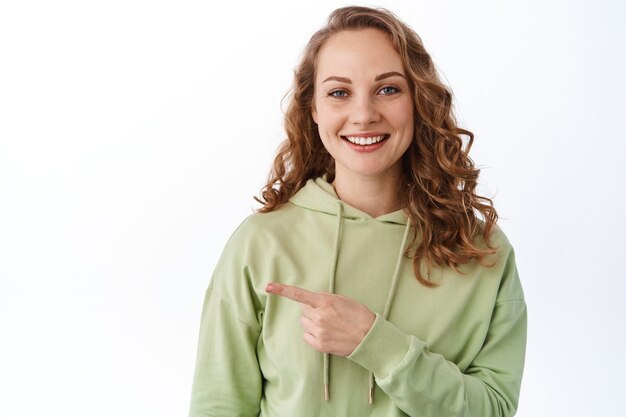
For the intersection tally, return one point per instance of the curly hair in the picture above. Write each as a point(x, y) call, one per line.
point(440, 197)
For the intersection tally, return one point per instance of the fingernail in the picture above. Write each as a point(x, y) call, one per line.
point(269, 288)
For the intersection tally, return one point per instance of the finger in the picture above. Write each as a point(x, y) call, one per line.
point(310, 312)
point(307, 325)
point(294, 293)
point(310, 340)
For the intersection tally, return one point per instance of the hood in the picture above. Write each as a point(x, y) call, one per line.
point(318, 195)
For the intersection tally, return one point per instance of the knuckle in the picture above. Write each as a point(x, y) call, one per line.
point(298, 294)
point(323, 335)
point(312, 341)
point(319, 345)
point(329, 317)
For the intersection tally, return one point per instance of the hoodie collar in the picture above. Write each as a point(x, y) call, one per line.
point(319, 195)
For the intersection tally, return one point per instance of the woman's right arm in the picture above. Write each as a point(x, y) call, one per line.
point(227, 379)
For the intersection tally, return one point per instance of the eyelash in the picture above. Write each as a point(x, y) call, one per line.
point(397, 90)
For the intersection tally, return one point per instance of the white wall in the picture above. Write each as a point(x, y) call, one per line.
point(133, 135)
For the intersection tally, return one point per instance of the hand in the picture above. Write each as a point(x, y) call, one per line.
point(332, 323)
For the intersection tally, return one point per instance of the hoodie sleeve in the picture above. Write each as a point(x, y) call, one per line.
point(227, 380)
point(426, 384)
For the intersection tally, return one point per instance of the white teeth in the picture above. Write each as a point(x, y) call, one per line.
point(365, 141)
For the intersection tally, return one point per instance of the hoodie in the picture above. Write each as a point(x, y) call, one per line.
point(453, 350)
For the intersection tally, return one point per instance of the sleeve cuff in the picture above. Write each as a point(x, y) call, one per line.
point(382, 349)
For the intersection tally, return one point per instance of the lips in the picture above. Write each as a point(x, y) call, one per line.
point(365, 140)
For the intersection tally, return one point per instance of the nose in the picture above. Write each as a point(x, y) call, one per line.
point(364, 110)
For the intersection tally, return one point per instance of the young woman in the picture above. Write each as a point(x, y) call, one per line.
point(373, 281)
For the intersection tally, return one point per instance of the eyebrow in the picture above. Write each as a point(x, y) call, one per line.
point(388, 74)
point(378, 77)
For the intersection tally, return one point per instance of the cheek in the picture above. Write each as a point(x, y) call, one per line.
point(404, 111)
point(404, 122)
point(409, 132)
point(404, 117)
point(328, 120)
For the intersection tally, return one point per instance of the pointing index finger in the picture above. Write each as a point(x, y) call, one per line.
point(297, 294)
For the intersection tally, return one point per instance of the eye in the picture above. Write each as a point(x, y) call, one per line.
point(388, 90)
point(338, 93)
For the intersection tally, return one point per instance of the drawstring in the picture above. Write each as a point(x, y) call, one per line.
point(392, 293)
point(390, 296)
point(331, 290)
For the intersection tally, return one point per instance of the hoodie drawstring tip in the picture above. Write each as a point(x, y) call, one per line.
point(371, 399)
point(326, 395)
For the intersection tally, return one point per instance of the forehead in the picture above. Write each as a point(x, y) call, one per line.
point(358, 52)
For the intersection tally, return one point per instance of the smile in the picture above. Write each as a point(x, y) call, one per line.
point(357, 140)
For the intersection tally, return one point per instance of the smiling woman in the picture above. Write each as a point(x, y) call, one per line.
point(373, 277)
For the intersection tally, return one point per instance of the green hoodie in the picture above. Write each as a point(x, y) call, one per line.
point(453, 350)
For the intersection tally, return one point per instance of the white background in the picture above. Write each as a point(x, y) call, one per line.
point(133, 135)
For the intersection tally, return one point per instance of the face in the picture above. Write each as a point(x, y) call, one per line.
point(362, 104)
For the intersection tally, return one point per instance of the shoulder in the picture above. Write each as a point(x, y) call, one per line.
point(496, 239)
point(499, 241)
point(496, 243)
point(260, 232)
point(259, 225)
point(256, 243)
point(497, 273)
point(504, 264)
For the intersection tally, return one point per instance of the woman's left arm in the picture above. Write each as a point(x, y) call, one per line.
point(427, 384)
point(418, 381)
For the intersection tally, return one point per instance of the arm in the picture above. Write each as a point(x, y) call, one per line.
point(424, 383)
point(227, 379)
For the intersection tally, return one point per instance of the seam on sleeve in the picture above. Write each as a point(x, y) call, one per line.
point(254, 326)
point(519, 300)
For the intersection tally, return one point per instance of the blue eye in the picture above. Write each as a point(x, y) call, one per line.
point(389, 90)
point(335, 93)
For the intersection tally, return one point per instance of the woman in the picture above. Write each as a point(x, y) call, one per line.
point(366, 285)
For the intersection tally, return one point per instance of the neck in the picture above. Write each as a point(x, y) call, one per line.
point(375, 196)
